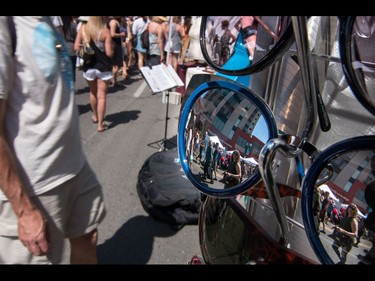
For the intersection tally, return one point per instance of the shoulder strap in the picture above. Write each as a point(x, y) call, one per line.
point(12, 31)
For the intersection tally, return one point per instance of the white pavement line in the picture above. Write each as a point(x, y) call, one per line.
point(140, 89)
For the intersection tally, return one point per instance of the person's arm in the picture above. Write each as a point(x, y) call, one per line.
point(181, 29)
point(354, 227)
point(160, 42)
point(113, 24)
point(129, 33)
point(108, 43)
point(232, 36)
point(31, 222)
point(78, 40)
point(238, 172)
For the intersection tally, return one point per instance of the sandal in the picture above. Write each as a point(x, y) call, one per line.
point(103, 128)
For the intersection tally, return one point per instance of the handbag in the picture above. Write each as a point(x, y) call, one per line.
point(168, 46)
point(145, 39)
point(86, 53)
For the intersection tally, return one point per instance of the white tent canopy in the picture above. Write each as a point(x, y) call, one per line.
point(337, 201)
point(250, 161)
point(215, 139)
point(325, 187)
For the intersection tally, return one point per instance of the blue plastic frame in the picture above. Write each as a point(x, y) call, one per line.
point(257, 100)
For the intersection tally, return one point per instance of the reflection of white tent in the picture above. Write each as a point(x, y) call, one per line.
point(325, 187)
point(215, 139)
point(339, 205)
point(230, 152)
point(250, 161)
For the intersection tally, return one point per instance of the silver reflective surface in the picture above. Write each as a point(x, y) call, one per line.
point(363, 56)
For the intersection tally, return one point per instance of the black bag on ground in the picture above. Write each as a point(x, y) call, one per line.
point(165, 192)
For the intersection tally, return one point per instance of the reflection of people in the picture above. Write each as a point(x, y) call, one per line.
point(226, 40)
point(210, 35)
point(233, 174)
point(369, 222)
point(194, 50)
point(323, 210)
point(317, 205)
point(248, 26)
point(207, 162)
point(48, 190)
point(346, 233)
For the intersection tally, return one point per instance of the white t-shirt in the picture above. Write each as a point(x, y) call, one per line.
point(41, 122)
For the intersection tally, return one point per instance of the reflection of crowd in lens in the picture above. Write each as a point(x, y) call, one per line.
point(248, 25)
point(346, 228)
point(222, 44)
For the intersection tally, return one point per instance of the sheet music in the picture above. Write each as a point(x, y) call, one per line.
point(161, 78)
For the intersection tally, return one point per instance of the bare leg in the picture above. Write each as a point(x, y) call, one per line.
point(101, 103)
point(175, 60)
point(83, 249)
point(141, 58)
point(115, 70)
point(93, 99)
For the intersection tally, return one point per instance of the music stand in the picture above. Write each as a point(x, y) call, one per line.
point(162, 78)
point(162, 143)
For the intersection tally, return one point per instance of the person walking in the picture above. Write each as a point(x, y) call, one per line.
point(233, 174)
point(139, 25)
point(346, 233)
point(156, 36)
point(48, 191)
point(99, 73)
point(174, 45)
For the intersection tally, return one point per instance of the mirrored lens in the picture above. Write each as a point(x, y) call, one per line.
point(229, 235)
point(224, 132)
point(235, 43)
point(341, 205)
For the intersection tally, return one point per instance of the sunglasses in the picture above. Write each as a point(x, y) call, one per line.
point(215, 105)
point(228, 235)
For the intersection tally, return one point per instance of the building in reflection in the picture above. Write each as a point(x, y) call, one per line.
point(352, 173)
point(233, 118)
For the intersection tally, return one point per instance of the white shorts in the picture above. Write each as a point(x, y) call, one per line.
point(92, 74)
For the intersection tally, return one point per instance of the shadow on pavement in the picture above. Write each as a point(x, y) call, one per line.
point(122, 117)
point(133, 242)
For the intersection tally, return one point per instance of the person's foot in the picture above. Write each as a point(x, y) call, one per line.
point(322, 231)
point(94, 120)
point(102, 128)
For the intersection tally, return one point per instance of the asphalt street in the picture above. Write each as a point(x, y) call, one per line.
point(137, 119)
